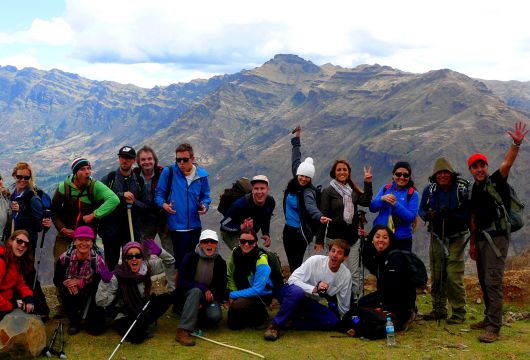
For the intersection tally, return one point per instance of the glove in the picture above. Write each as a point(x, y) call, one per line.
point(152, 247)
point(105, 273)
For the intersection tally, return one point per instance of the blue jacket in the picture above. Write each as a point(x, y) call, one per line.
point(402, 214)
point(186, 199)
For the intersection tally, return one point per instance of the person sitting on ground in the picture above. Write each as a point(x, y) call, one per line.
point(130, 289)
point(5, 211)
point(12, 286)
point(201, 286)
point(319, 277)
point(300, 207)
point(395, 290)
point(78, 272)
point(249, 284)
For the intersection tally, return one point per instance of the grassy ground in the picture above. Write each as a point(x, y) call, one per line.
point(425, 340)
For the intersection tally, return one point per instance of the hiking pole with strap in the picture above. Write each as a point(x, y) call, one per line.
point(129, 330)
point(129, 217)
point(362, 239)
point(48, 351)
point(443, 261)
point(62, 355)
point(44, 231)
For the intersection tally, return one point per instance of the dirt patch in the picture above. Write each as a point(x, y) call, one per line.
point(515, 286)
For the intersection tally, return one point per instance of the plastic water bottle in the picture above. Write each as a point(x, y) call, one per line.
point(390, 336)
point(355, 319)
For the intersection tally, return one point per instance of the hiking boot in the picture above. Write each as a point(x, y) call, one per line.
point(488, 337)
point(455, 320)
point(478, 325)
point(433, 316)
point(184, 338)
point(272, 333)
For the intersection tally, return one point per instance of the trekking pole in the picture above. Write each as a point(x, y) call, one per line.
point(44, 231)
point(443, 261)
point(62, 355)
point(228, 346)
point(129, 217)
point(362, 239)
point(48, 351)
point(129, 330)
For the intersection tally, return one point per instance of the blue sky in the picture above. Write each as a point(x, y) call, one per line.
point(159, 42)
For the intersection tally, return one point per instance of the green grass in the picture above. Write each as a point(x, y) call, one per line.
point(425, 340)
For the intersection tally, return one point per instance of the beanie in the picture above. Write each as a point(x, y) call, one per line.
point(130, 245)
point(306, 168)
point(84, 232)
point(476, 157)
point(78, 163)
point(443, 164)
point(402, 164)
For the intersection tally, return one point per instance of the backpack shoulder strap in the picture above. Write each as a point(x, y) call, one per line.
point(110, 179)
point(91, 192)
point(66, 191)
point(169, 183)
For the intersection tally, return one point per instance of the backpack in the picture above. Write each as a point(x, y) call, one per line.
point(369, 323)
point(418, 272)
point(67, 192)
point(410, 192)
point(111, 177)
point(514, 214)
point(275, 264)
point(462, 191)
point(44, 198)
point(239, 188)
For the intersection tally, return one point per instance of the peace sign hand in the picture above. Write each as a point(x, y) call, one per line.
point(368, 174)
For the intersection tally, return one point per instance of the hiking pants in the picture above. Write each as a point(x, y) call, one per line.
point(247, 312)
point(75, 307)
point(447, 276)
point(305, 313)
point(295, 246)
point(211, 313)
point(490, 270)
point(183, 243)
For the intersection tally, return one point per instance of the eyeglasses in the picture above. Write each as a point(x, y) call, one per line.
point(22, 242)
point(185, 160)
point(134, 256)
point(400, 174)
point(208, 241)
point(20, 177)
point(247, 242)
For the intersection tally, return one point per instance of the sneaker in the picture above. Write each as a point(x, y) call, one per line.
point(433, 315)
point(488, 337)
point(184, 338)
point(272, 333)
point(455, 320)
point(478, 325)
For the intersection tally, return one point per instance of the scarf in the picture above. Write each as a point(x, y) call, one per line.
point(244, 265)
point(205, 265)
point(85, 272)
point(346, 192)
point(128, 285)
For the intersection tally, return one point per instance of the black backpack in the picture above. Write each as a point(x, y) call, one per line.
point(239, 188)
point(275, 264)
point(418, 272)
point(369, 323)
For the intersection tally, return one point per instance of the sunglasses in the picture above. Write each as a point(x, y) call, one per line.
point(247, 242)
point(20, 177)
point(134, 256)
point(185, 160)
point(208, 242)
point(400, 174)
point(22, 242)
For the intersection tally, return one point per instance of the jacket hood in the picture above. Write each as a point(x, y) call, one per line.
point(443, 164)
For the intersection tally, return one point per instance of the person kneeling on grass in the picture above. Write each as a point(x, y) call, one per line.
point(319, 277)
point(201, 286)
point(249, 284)
point(131, 287)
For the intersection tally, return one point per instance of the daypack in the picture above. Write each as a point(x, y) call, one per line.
point(418, 272)
point(514, 214)
point(44, 198)
point(369, 323)
point(90, 193)
point(275, 264)
point(111, 177)
point(239, 188)
point(410, 192)
point(462, 191)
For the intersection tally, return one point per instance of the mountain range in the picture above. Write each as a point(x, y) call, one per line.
point(239, 124)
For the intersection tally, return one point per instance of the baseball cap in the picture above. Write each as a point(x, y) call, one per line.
point(260, 178)
point(476, 157)
point(208, 235)
point(127, 151)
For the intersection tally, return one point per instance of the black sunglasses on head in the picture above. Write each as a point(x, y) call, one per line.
point(22, 242)
point(247, 242)
point(20, 177)
point(400, 174)
point(182, 159)
point(134, 256)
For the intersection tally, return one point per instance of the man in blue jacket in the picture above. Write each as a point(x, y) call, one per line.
point(184, 194)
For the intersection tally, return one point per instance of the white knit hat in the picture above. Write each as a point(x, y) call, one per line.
point(306, 168)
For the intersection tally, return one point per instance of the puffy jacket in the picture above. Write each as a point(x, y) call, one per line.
point(11, 283)
point(259, 279)
point(186, 198)
point(402, 214)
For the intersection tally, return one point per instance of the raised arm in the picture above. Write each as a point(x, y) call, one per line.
point(517, 137)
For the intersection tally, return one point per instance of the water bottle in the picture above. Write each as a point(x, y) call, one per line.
point(355, 319)
point(390, 336)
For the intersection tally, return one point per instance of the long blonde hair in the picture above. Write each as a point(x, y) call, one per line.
point(22, 165)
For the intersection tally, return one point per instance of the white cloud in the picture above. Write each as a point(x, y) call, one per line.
point(54, 32)
point(22, 60)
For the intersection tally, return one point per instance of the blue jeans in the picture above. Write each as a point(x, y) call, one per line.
point(305, 313)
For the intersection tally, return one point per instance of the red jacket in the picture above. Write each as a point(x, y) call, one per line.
point(11, 283)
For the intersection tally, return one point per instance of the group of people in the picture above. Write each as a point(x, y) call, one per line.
point(135, 274)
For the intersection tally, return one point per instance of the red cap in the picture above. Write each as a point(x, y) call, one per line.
point(476, 157)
